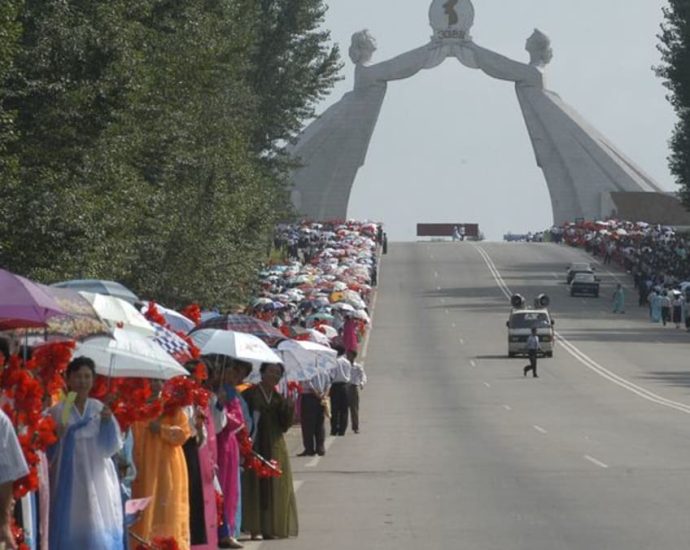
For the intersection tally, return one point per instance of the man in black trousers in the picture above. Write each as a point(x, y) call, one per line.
point(313, 414)
point(339, 403)
point(533, 348)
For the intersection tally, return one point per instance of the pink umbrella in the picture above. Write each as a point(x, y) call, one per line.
point(24, 304)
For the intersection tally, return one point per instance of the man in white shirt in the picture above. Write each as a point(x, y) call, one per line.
point(12, 467)
point(313, 415)
point(357, 380)
point(339, 407)
point(533, 348)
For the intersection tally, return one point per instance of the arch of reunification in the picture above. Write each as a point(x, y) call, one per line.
point(582, 169)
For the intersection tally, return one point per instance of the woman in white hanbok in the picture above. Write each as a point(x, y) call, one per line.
point(86, 508)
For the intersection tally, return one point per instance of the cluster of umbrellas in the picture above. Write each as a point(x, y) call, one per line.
point(104, 319)
point(330, 278)
point(124, 343)
point(615, 229)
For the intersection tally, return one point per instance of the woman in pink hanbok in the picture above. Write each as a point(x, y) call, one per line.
point(202, 456)
point(233, 372)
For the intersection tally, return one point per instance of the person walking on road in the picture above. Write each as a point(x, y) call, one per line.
point(619, 299)
point(533, 348)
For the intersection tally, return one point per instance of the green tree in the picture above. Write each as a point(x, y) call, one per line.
point(64, 91)
point(10, 31)
point(149, 138)
point(675, 71)
point(293, 67)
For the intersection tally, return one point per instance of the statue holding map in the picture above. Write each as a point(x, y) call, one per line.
point(333, 148)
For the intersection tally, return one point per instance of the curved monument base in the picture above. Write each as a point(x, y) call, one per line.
point(654, 208)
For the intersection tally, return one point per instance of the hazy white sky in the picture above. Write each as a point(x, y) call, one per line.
point(451, 144)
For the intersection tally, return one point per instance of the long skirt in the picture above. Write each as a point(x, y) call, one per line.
point(268, 505)
point(677, 314)
point(197, 517)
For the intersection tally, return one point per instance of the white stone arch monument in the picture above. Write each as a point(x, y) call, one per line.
point(581, 167)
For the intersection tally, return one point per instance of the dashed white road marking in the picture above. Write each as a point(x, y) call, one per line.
point(583, 358)
point(507, 407)
point(596, 462)
point(462, 342)
point(453, 325)
point(473, 363)
point(438, 288)
point(487, 384)
point(540, 429)
point(447, 312)
point(436, 274)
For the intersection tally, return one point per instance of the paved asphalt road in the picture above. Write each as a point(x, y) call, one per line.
point(458, 450)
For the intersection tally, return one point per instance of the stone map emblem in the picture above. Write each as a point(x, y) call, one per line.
point(451, 19)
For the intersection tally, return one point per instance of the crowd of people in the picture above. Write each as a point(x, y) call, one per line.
point(656, 257)
point(192, 462)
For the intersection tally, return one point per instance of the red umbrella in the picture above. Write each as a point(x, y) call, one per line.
point(24, 304)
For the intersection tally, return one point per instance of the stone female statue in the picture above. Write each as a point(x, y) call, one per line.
point(578, 162)
point(331, 150)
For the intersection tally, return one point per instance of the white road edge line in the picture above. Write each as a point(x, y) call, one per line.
point(583, 358)
point(596, 462)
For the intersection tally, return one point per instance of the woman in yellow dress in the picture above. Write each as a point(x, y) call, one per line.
point(162, 475)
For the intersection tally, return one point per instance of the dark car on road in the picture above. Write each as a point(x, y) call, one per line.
point(584, 284)
point(576, 268)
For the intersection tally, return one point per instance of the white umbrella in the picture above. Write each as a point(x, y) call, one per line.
point(304, 359)
point(119, 314)
point(361, 314)
point(129, 355)
point(344, 306)
point(318, 337)
point(328, 330)
point(242, 346)
point(175, 319)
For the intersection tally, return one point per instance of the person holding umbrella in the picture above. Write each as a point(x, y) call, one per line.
point(162, 474)
point(85, 490)
point(269, 508)
point(232, 372)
